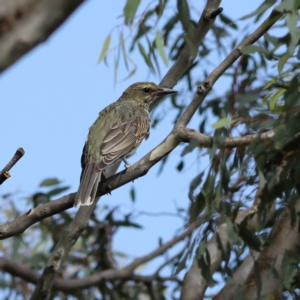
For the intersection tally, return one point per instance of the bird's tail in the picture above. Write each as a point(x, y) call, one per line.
point(88, 186)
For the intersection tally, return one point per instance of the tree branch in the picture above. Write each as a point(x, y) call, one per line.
point(188, 135)
point(27, 23)
point(126, 273)
point(284, 239)
point(238, 278)
point(194, 284)
point(4, 174)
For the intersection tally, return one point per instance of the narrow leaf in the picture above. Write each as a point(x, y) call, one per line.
point(132, 194)
point(146, 57)
point(261, 9)
point(274, 98)
point(49, 182)
point(160, 47)
point(184, 14)
point(131, 73)
point(130, 9)
point(104, 48)
point(253, 49)
point(222, 123)
point(282, 61)
point(227, 21)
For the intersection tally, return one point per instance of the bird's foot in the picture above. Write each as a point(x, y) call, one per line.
point(126, 163)
point(108, 189)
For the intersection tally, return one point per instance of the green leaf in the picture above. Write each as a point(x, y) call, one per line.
point(284, 6)
point(57, 191)
point(194, 184)
point(249, 238)
point(262, 179)
point(132, 194)
point(131, 73)
point(271, 39)
point(130, 9)
point(190, 147)
point(222, 123)
point(180, 166)
point(288, 267)
point(282, 61)
point(261, 9)
point(184, 14)
point(274, 98)
point(104, 48)
point(227, 21)
point(160, 47)
point(253, 49)
point(49, 182)
point(291, 21)
point(146, 57)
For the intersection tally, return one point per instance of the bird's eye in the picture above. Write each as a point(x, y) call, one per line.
point(146, 90)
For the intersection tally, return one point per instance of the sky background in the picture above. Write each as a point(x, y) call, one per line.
point(50, 98)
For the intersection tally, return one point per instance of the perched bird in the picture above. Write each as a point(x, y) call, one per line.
point(115, 135)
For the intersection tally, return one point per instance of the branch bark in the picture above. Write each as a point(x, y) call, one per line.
point(284, 239)
point(127, 272)
point(194, 284)
point(188, 135)
point(238, 278)
point(4, 173)
point(25, 24)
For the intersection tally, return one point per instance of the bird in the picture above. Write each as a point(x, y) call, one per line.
point(117, 132)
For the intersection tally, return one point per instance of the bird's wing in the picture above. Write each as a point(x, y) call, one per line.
point(122, 138)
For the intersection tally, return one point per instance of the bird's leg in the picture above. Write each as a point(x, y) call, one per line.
point(127, 164)
point(103, 177)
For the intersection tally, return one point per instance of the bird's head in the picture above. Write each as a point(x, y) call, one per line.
point(145, 92)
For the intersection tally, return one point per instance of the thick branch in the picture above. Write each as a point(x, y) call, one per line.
point(25, 24)
point(284, 239)
point(194, 284)
point(126, 273)
point(238, 278)
point(4, 174)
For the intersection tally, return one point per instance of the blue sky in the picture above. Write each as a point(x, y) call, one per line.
point(51, 96)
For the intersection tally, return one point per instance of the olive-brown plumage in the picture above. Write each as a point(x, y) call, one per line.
point(116, 133)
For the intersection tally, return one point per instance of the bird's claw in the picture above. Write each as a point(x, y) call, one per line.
point(126, 163)
point(108, 189)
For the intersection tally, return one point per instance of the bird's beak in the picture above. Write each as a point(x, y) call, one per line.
point(164, 91)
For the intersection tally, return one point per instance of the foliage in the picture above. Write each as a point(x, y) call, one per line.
point(262, 95)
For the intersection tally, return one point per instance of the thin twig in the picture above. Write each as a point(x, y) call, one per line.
point(4, 174)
